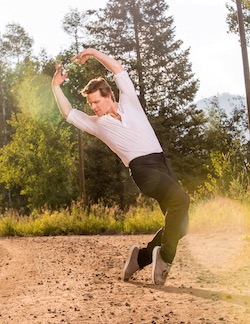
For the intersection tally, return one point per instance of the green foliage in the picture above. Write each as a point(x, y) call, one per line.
point(226, 178)
point(7, 105)
point(77, 221)
point(38, 156)
point(34, 96)
point(38, 163)
point(142, 37)
point(148, 219)
point(216, 214)
point(228, 152)
point(223, 131)
point(223, 173)
point(8, 226)
point(102, 184)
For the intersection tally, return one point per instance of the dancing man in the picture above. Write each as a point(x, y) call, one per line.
point(123, 126)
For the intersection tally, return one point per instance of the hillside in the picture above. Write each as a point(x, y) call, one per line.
point(226, 101)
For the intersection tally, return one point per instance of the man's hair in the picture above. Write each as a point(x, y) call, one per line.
point(98, 84)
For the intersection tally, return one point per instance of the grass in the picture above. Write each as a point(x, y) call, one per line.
point(217, 213)
point(220, 213)
point(76, 221)
point(57, 223)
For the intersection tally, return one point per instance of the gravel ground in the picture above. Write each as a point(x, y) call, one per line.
point(77, 279)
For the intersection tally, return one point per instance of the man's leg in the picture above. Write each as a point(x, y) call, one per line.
point(145, 254)
point(176, 222)
point(174, 203)
point(156, 179)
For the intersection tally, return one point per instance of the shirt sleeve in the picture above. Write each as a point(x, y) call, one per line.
point(126, 88)
point(82, 121)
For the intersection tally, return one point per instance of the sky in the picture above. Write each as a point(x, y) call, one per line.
point(201, 25)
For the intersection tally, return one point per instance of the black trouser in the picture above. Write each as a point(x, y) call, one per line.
point(155, 177)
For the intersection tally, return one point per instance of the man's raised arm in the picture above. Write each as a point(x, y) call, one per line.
point(62, 102)
point(110, 63)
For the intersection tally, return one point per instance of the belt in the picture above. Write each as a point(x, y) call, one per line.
point(145, 157)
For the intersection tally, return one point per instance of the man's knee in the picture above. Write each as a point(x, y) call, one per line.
point(185, 199)
point(180, 200)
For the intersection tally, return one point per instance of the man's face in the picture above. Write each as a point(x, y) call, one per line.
point(100, 105)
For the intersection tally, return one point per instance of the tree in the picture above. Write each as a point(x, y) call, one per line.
point(74, 24)
point(232, 18)
point(97, 157)
point(38, 164)
point(226, 135)
point(246, 3)
point(102, 185)
point(142, 36)
point(226, 142)
point(16, 42)
point(3, 125)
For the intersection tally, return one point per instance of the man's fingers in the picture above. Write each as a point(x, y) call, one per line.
point(59, 67)
point(77, 58)
point(74, 57)
point(80, 58)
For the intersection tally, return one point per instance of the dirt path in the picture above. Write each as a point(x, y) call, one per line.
point(76, 279)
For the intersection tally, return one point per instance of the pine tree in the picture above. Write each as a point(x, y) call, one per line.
point(142, 36)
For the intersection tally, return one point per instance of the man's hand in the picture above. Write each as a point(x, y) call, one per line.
point(58, 77)
point(62, 102)
point(83, 56)
point(107, 61)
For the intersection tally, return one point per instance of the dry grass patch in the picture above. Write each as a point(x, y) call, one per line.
point(220, 214)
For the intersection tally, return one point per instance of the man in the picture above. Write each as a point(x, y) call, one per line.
point(124, 127)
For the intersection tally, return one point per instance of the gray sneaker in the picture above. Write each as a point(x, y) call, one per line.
point(160, 269)
point(131, 265)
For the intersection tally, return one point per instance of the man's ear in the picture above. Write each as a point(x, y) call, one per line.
point(109, 97)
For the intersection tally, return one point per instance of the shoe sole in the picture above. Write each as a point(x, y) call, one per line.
point(154, 257)
point(131, 250)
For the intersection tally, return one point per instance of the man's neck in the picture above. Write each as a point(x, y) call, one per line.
point(113, 111)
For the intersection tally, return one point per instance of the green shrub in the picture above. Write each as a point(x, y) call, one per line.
point(227, 177)
point(143, 220)
point(216, 213)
